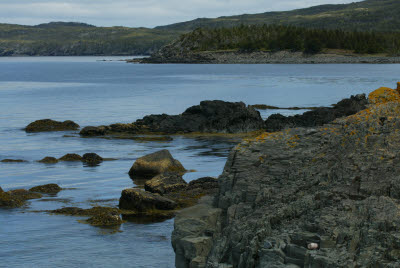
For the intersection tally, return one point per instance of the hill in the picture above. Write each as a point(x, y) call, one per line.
point(376, 15)
point(70, 38)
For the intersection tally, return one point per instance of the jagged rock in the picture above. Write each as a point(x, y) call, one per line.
point(209, 117)
point(51, 125)
point(47, 188)
point(49, 160)
point(165, 183)
point(141, 201)
point(71, 158)
point(151, 165)
point(336, 186)
point(318, 116)
point(92, 159)
point(13, 161)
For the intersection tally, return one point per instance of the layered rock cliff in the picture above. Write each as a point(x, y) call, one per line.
point(306, 197)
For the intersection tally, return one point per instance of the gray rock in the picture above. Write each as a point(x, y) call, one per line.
point(141, 201)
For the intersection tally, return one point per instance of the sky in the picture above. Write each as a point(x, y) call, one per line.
point(139, 13)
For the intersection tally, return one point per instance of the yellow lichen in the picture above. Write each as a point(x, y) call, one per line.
point(383, 95)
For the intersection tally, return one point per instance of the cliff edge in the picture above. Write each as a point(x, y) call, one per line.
point(305, 197)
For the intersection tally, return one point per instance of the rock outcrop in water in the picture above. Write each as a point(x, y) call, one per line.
point(306, 197)
point(208, 117)
point(154, 164)
point(318, 116)
point(51, 125)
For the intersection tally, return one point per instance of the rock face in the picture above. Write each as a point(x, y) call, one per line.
point(165, 183)
point(318, 197)
point(47, 189)
point(208, 117)
point(318, 116)
point(141, 201)
point(151, 165)
point(51, 125)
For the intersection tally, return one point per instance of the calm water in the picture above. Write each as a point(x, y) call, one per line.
point(92, 92)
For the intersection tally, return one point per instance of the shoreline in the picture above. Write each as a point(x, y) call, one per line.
point(281, 57)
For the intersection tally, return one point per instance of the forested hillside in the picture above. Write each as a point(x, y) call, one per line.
point(278, 37)
point(60, 39)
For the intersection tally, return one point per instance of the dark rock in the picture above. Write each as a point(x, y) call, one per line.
point(23, 194)
point(141, 201)
point(49, 160)
point(1, 190)
point(9, 201)
point(208, 117)
point(99, 216)
point(151, 165)
point(92, 159)
point(322, 197)
point(71, 157)
point(47, 189)
point(165, 183)
point(206, 183)
point(107, 219)
point(93, 131)
point(51, 125)
point(318, 116)
point(13, 161)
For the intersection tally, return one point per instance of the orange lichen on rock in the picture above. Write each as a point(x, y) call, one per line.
point(384, 95)
point(398, 87)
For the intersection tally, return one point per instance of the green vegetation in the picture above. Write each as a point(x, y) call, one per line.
point(60, 39)
point(369, 15)
point(279, 37)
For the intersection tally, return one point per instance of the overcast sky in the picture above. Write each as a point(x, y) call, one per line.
point(136, 13)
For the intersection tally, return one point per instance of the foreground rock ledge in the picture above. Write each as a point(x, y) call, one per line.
point(318, 197)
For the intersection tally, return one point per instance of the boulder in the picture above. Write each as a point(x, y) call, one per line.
point(92, 159)
point(51, 125)
point(318, 116)
point(71, 157)
point(13, 161)
point(93, 131)
point(151, 165)
point(165, 183)
point(47, 189)
point(49, 160)
point(141, 201)
point(9, 201)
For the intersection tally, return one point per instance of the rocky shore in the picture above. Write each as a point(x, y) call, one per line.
point(324, 196)
point(168, 55)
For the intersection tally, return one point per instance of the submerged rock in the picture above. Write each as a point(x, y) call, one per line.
point(165, 183)
point(49, 160)
point(99, 216)
point(23, 194)
point(93, 131)
point(318, 116)
point(151, 165)
point(51, 125)
point(9, 201)
point(13, 161)
point(71, 158)
point(141, 201)
point(319, 197)
point(47, 189)
point(106, 219)
point(92, 159)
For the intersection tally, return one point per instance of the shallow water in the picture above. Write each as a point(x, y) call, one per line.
point(93, 92)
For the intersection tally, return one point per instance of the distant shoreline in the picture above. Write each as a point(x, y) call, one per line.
point(260, 57)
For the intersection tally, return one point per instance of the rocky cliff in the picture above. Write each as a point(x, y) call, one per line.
point(306, 197)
